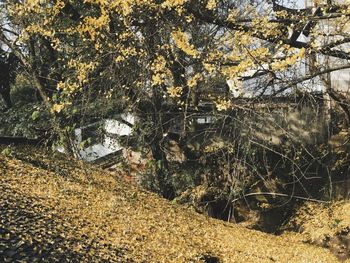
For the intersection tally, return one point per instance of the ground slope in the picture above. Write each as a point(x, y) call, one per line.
point(57, 214)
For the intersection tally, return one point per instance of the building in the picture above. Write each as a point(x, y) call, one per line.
point(100, 139)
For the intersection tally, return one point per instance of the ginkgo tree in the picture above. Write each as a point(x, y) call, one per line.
point(241, 36)
point(158, 57)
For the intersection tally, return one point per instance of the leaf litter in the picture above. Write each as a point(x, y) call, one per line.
point(54, 210)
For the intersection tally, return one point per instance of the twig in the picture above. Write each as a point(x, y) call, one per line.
point(284, 195)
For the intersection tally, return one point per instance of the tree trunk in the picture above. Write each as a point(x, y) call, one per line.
point(339, 98)
point(343, 103)
point(5, 93)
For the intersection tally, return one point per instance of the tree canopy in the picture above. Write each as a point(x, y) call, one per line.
point(167, 48)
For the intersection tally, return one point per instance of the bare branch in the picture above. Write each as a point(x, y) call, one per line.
point(311, 76)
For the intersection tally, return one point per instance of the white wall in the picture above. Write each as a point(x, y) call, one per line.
point(108, 144)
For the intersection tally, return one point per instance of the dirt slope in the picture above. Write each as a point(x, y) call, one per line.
point(64, 213)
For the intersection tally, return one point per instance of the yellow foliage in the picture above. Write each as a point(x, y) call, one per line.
point(160, 72)
point(181, 40)
point(83, 69)
point(57, 108)
point(223, 104)
point(168, 4)
point(209, 67)
point(211, 4)
point(174, 92)
point(288, 61)
point(192, 82)
point(131, 38)
point(93, 25)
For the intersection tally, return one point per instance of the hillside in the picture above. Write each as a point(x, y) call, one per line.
point(66, 211)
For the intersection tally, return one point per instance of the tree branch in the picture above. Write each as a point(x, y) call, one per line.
point(209, 18)
point(281, 195)
point(311, 76)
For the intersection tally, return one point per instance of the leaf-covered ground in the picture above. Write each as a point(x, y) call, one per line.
point(64, 211)
point(327, 225)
